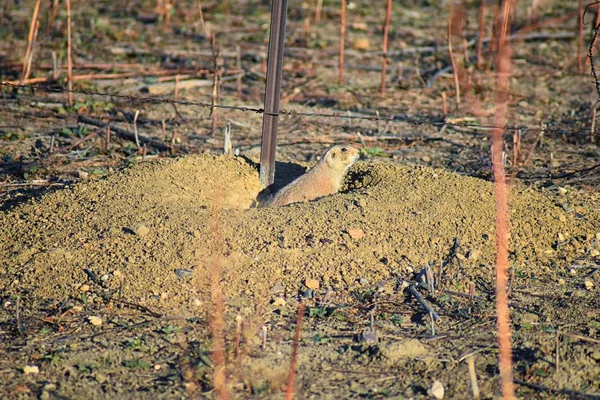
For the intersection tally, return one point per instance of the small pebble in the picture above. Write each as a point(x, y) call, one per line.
point(367, 336)
point(104, 277)
point(561, 237)
point(589, 284)
point(356, 233)
point(437, 390)
point(278, 288)
point(474, 254)
point(594, 253)
point(279, 302)
point(84, 288)
point(96, 321)
point(312, 284)
point(562, 218)
point(562, 282)
point(157, 367)
point(31, 369)
point(183, 273)
point(562, 191)
point(142, 230)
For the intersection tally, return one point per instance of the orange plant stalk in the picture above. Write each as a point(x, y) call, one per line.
point(501, 192)
point(342, 42)
point(69, 55)
point(32, 26)
point(289, 394)
point(480, 36)
point(386, 31)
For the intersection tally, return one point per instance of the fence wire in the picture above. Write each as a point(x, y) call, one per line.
point(343, 116)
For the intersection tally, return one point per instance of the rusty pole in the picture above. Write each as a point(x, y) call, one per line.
point(272, 92)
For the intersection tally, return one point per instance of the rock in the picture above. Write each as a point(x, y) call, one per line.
point(183, 273)
point(594, 253)
point(561, 237)
point(96, 321)
point(562, 191)
point(84, 288)
point(588, 284)
point(356, 233)
point(141, 230)
point(312, 284)
point(367, 336)
point(437, 390)
point(474, 254)
point(279, 302)
point(31, 369)
point(562, 282)
point(278, 288)
point(361, 44)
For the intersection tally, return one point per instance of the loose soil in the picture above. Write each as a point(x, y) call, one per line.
point(109, 252)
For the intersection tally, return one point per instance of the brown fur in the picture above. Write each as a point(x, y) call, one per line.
point(323, 179)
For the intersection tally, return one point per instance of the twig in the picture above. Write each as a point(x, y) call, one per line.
point(215, 91)
point(289, 394)
point(421, 300)
point(18, 313)
point(580, 37)
point(135, 130)
point(239, 325)
point(557, 350)
point(452, 60)
point(124, 134)
point(318, 10)
point(227, 139)
point(30, 39)
point(238, 60)
point(473, 376)
point(386, 31)
point(342, 42)
point(573, 394)
point(69, 55)
point(584, 338)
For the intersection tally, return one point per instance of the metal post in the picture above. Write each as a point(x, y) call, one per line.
point(272, 92)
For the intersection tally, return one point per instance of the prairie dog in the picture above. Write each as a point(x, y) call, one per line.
point(323, 179)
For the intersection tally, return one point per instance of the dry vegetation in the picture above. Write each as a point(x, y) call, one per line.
point(108, 279)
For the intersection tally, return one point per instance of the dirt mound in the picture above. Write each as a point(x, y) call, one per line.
point(151, 233)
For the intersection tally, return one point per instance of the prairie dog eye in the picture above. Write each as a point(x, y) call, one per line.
point(344, 149)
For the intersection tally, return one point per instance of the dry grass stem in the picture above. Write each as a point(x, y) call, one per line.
point(451, 19)
point(289, 394)
point(580, 62)
point(30, 39)
point(480, 35)
point(473, 377)
point(501, 195)
point(386, 31)
point(70, 55)
point(318, 10)
point(342, 42)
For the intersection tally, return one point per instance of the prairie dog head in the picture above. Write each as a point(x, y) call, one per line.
point(341, 157)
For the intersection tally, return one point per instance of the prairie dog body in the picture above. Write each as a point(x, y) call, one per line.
point(323, 179)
